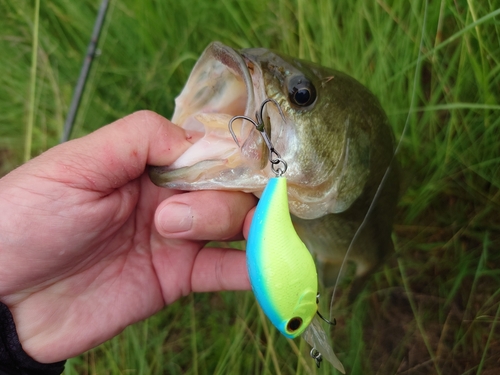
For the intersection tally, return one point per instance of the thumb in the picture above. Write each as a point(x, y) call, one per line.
point(116, 153)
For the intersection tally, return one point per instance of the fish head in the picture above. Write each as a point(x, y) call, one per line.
point(322, 131)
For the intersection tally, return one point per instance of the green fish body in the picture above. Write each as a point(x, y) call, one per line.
point(336, 139)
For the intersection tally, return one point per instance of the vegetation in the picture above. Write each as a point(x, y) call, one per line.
point(435, 65)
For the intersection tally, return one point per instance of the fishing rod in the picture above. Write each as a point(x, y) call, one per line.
point(84, 72)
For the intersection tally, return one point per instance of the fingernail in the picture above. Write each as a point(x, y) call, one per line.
point(176, 218)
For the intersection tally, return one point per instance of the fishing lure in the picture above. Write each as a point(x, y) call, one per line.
point(281, 269)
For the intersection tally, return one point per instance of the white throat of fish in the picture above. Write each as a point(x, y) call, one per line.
point(215, 160)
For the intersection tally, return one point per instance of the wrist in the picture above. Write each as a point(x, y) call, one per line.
point(13, 359)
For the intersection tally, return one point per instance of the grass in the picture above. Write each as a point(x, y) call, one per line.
point(434, 308)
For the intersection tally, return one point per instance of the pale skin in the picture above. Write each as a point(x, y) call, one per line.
point(89, 245)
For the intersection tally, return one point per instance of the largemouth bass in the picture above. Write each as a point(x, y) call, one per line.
point(333, 134)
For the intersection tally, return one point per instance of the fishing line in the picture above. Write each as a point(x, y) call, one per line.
point(396, 151)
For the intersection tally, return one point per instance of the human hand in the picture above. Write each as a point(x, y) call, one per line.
point(88, 245)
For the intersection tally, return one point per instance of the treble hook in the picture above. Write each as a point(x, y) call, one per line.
point(274, 156)
point(314, 353)
point(332, 323)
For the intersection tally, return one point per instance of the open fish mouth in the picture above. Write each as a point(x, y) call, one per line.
point(220, 87)
point(325, 126)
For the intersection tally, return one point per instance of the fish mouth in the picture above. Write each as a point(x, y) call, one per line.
point(222, 84)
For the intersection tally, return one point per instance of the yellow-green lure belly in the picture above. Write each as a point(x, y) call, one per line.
point(283, 274)
point(281, 269)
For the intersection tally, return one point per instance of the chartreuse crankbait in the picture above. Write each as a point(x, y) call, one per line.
point(281, 269)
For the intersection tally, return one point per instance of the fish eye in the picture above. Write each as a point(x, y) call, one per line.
point(301, 91)
point(294, 324)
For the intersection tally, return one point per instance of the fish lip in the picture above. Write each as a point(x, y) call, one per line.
point(230, 69)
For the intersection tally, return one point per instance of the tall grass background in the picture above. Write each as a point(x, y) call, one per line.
point(434, 308)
